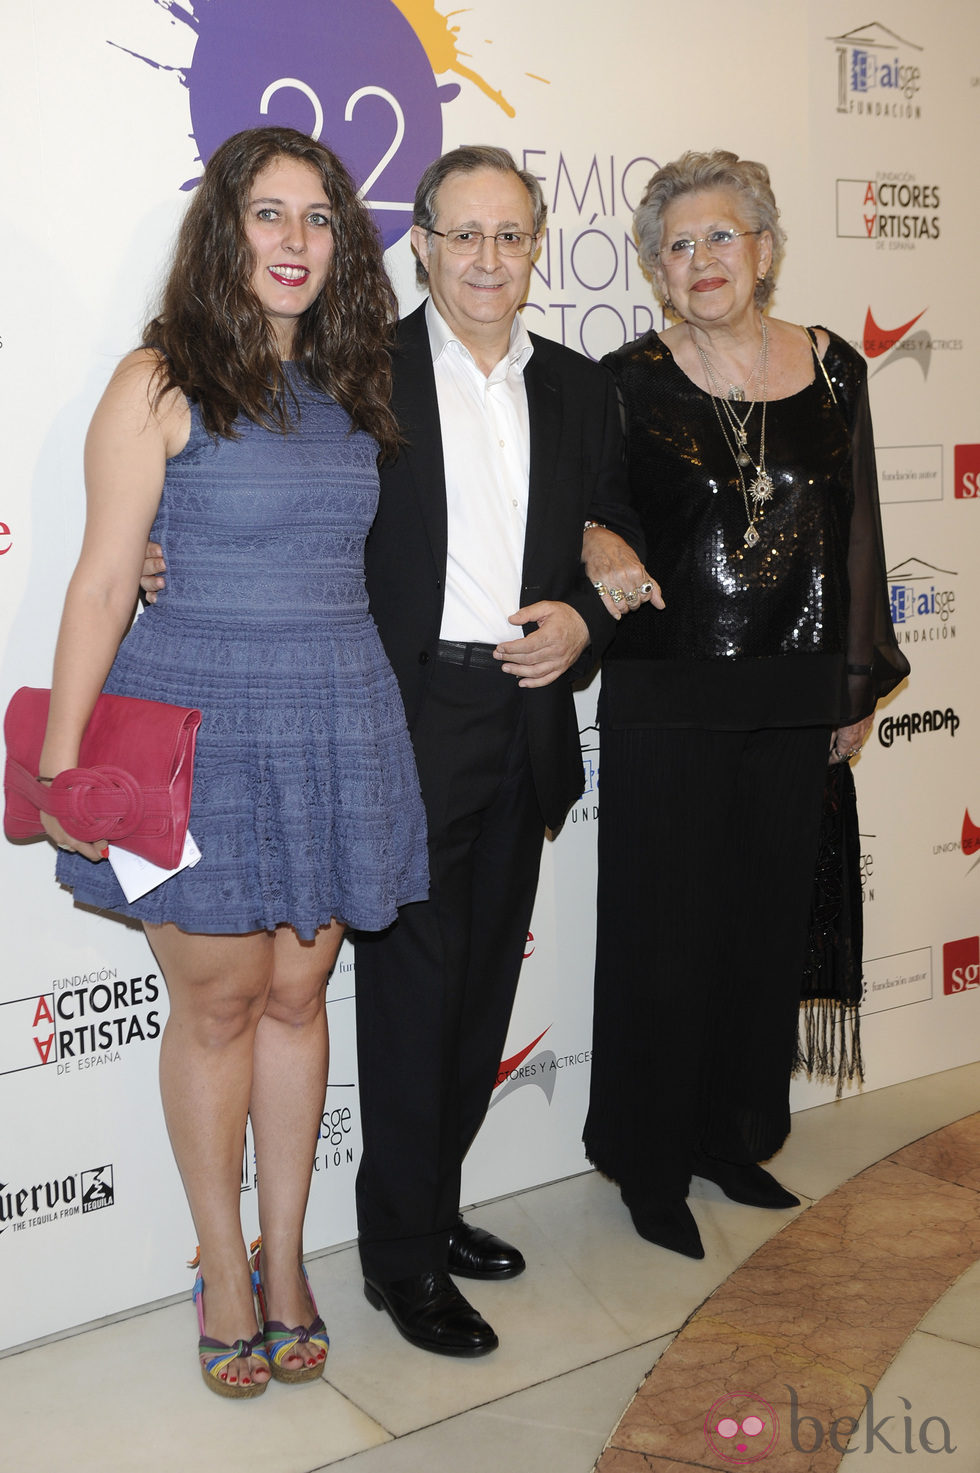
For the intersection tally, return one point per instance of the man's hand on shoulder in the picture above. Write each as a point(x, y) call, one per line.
point(541, 657)
point(152, 580)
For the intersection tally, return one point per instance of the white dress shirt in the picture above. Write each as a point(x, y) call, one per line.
point(486, 451)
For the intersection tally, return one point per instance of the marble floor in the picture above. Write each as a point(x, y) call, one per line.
point(873, 1281)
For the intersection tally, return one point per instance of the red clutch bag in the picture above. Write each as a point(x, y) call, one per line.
point(133, 783)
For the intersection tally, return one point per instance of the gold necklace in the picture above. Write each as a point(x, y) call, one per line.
point(736, 392)
point(735, 434)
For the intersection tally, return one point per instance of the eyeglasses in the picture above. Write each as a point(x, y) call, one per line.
point(470, 242)
point(715, 240)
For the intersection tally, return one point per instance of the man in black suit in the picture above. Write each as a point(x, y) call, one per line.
point(474, 572)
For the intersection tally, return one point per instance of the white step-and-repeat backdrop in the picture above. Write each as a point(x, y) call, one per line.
point(868, 119)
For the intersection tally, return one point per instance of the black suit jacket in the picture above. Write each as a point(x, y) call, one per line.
point(577, 474)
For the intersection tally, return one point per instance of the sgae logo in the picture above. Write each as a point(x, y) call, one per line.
point(961, 965)
point(966, 474)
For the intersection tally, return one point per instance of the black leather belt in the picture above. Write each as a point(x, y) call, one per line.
point(468, 656)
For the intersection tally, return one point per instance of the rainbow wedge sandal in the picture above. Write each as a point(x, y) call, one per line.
point(281, 1341)
point(216, 1357)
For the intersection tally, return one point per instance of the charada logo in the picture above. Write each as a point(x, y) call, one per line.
point(879, 73)
point(360, 74)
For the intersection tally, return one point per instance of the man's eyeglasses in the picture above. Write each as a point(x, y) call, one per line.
point(470, 242)
point(715, 240)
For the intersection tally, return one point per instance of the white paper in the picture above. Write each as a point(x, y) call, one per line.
point(138, 876)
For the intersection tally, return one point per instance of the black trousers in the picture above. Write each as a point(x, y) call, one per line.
point(707, 847)
point(435, 991)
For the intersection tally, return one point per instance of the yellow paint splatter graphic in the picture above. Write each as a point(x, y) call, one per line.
point(438, 38)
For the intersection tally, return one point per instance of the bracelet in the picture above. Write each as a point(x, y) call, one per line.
point(590, 525)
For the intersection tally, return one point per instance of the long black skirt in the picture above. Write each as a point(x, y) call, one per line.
point(707, 845)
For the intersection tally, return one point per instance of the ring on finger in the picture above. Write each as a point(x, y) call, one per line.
point(617, 595)
point(601, 589)
point(633, 597)
point(646, 589)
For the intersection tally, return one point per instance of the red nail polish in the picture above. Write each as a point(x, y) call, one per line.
point(105, 852)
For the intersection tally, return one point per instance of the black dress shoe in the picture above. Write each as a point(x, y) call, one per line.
point(751, 1185)
point(668, 1224)
point(431, 1313)
point(476, 1254)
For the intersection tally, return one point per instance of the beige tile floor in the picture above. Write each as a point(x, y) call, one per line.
point(579, 1331)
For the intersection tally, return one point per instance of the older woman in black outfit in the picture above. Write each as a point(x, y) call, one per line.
point(752, 469)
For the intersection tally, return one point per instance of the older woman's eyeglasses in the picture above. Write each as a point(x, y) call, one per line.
point(470, 242)
point(715, 240)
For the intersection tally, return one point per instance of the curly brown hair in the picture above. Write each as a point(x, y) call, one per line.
point(216, 344)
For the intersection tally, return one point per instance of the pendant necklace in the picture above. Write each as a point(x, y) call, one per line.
point(736, 392)
point(734, 430)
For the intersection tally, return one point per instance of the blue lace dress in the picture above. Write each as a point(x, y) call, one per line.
point(306, 803)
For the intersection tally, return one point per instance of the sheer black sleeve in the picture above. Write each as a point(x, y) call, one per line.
point(875, 664)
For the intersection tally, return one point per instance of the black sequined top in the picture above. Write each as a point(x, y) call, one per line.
point(795, 631)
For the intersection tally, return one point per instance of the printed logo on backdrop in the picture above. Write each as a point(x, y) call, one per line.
point(961, 965)
point(334, 1141)
point(878, 74)
point(897, 981)
point(337, 1137)
point(586, 810)
point(893, 209)
point(896, 343)
point(970, 838)
point(966, 473)
point(896, 729)
point(966, 844)
point(36, 1204)
point(537, 1070)
point(84, 1022)
point(922, 601)
point(360, 74)
point(905, 472)
point(867, 867)
point(6, 538)
point(589, 255)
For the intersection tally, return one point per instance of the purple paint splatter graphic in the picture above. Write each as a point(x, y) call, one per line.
point(352, 72)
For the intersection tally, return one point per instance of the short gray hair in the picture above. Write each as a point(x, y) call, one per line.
point(719, 169)
point(467, 160)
